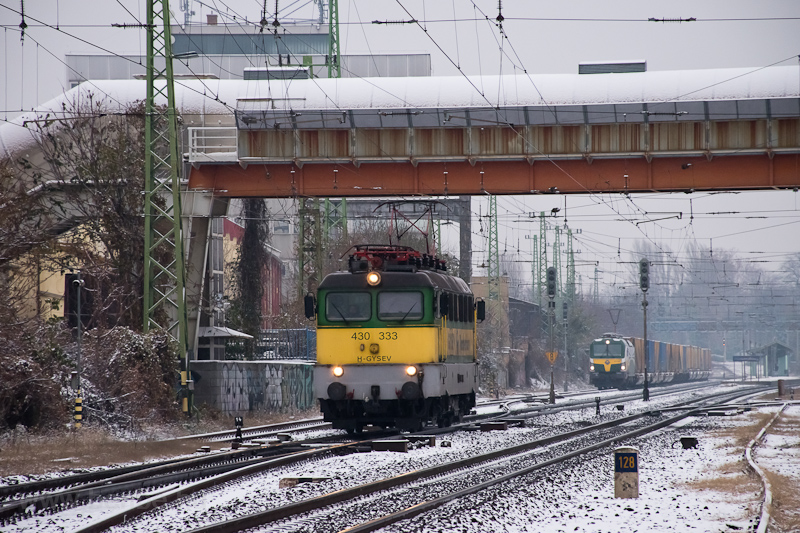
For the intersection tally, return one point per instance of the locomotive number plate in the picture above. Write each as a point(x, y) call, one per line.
point(381, 336)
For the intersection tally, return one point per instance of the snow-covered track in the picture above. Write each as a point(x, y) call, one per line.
point(766, 504)
point(90, 486)
point(266, 430)
point(295, 512)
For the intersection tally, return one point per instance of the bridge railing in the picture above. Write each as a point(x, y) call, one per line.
point(212, 144)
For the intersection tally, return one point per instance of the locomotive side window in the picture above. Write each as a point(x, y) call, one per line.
point(451, 312)
point(348, 306)
point(400, 306)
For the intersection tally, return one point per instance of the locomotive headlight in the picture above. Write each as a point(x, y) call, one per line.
point(608, 341)
point(591, 368)
point(623, 366)
point(338, 371)
point(411, 370)
point(373, 278)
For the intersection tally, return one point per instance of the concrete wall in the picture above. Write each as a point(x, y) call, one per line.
point(239, 387)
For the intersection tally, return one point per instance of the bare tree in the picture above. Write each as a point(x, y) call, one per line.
point(91, 173)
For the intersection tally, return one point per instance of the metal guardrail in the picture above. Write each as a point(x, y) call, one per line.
point(282, 344)
point(212, 144)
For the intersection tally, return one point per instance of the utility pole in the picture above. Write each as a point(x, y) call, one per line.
point(164, 260)
point(644, 284)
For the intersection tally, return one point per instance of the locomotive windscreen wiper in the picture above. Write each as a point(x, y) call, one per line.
point(340, 313)
point(409, 311)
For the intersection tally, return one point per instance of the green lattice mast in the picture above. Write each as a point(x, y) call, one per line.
point(570, 285)
point(493, 274)
point(164, 297)
point(557, 263)
point(542, 281)
point(334, 57)
point(310, 237)
point(164, 261)
point(535, 287)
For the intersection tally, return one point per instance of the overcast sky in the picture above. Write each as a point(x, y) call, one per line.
point(541, 37)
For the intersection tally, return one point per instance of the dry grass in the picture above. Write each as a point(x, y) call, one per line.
point(785, 490)
point(734, 480)
point(61, 451)
point(739, 436)
point(731, 478)
point(785, 503)
point(85, 448)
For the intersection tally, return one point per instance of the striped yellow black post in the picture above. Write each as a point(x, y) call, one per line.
point(184, 392)
point(77, 413)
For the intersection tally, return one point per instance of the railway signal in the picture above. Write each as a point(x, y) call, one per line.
point(644, 284)
point(551, 282)
point(644, 274)
point(551, 311)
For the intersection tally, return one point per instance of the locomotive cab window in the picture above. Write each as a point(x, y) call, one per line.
point(348, 306)
point(608, 350)
point(400, 306)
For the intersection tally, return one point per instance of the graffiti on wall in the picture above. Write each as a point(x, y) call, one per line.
point(265, 387)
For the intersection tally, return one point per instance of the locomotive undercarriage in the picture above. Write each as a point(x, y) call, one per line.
point(410, 415)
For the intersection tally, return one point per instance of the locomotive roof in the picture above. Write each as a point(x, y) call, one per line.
point(396, 280)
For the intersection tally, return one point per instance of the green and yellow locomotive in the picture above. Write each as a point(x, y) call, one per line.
point(396, 341)
point(619, 362)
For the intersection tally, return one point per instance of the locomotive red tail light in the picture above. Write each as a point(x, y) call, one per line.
point(338, 371)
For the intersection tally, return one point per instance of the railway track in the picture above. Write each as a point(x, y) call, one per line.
point(297, 511)
point(276, 432)
point(200, 473)
point(481, 471)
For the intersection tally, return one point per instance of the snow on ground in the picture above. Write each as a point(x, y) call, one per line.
point(697, 490)
point(701, 489)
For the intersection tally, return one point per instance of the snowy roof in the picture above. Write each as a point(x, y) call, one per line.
point(217, 331)
point(222, 97)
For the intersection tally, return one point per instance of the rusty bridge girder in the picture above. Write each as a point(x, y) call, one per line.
point(442, 178)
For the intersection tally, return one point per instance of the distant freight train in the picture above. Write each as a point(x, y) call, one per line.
point(618, 362)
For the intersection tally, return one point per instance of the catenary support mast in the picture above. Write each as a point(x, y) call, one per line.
point(164, 294)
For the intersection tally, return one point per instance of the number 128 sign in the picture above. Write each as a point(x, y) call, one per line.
point(625, 462)
point(626, 472)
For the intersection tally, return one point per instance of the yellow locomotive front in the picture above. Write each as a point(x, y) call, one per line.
point(396, 342)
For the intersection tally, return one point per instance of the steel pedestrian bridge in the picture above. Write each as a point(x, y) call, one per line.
point(726, 129)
